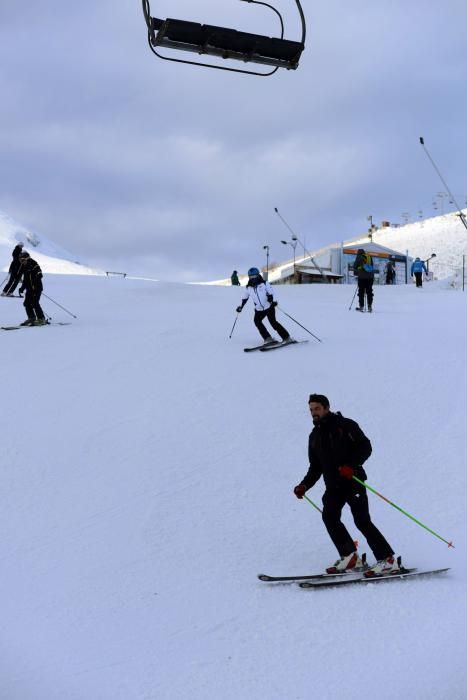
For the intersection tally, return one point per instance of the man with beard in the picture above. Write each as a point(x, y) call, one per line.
point(337, 449)
point(265, 307)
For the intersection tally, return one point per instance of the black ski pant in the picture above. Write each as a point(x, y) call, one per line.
point(12, 283)
point(418, 278)
point(355, 495)
point(31, 304)
point(365, 286)
point(270, 314)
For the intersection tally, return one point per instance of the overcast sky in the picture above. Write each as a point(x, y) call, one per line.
point(157, 168)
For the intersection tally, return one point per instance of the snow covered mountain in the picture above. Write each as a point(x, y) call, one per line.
point(52, 258)
point(147, 473)
point(443, 235)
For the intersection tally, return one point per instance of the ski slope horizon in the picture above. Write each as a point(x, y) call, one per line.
point(148, 468)
point(444, 234)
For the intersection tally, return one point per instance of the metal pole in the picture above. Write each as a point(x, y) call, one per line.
point(353, 298)
point(305, 251)
point(461, 215)
point(236, 319)
point(299, 324)
point(57, 304)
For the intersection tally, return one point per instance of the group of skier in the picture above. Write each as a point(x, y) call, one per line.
point(27, 271)
point(337, 447)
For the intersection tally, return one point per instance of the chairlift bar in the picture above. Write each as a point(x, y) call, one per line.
point(221, 42)
point(225, 43)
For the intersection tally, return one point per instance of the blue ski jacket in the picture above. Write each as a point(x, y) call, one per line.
point(418, 266)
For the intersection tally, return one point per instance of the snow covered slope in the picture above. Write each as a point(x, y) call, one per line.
point(444, 235)
point(51, 258)
point(147, 474)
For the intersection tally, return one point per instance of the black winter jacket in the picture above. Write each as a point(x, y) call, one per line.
point(15, 263)
point(32, 277)
point(336, 441)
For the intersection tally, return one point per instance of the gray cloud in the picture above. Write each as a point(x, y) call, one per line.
point(175, 171)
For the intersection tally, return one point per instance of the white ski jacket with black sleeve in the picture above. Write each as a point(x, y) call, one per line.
point(259, 294)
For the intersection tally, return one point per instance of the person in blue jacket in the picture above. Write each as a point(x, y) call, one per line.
point(417, 269)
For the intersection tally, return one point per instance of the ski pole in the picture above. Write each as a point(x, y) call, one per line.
point(62, 307)
point(319, 509)
point(461, 215)
point(313, 504)
point(353, 298)
point(299, 324)
point(355, 478)
point(236, 319)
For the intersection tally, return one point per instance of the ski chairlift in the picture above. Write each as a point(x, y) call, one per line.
point(205, 39)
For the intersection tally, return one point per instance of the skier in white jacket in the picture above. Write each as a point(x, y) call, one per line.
point(265, 307)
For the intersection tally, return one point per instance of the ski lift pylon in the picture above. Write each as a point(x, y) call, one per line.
point(205, 39)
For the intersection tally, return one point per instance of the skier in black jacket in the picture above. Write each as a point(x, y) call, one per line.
point(364, 271)
point(337, 449)
point(32, 284)
point(15, 272)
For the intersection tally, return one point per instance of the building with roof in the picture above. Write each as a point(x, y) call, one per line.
point(334, 264)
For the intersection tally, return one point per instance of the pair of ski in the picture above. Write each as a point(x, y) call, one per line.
point(50, 323)
point(274, 346)
point(346, 578)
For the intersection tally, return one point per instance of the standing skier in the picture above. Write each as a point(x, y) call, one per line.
point(337, 448)
point(417, 269)
point(32, 284)
point(14, 270)
point(363, 268)
point(265, 307)
point(390, 273)
point(234, 279)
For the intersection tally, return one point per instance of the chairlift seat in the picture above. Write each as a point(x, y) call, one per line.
point(225, 43)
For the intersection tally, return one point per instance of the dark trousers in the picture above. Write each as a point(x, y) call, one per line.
point(418, 278)
point(355, 495)
point(31, 304)
point(12, 283)
point(270, 314)
point(365, 286)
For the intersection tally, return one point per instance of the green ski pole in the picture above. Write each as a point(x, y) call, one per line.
point(313, 504)
point(355, 478)
point(319, 509)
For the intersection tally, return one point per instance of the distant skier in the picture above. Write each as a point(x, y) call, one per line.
point(234, 279)
point(417, 269)
point(265, 307)
point(14, 270)
point(390, 273)
point(363, 268)
point(32, 284)
point(337, 448)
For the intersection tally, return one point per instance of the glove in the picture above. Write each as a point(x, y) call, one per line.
point(346, 472)
point(239, 308)
point(273, 303)
point(300, 490)
point(269, 297)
